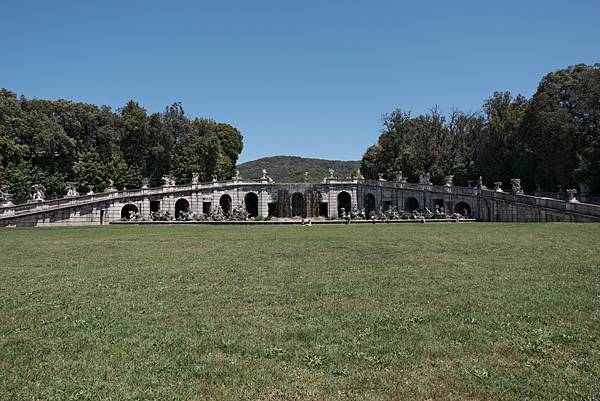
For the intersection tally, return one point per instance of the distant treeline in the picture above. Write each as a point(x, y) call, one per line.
point(54, 142)
point(292, 168)
point(551, 139)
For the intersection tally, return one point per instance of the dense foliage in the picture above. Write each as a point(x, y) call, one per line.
point(292, 168)
point(54, 142)
point(551, 139)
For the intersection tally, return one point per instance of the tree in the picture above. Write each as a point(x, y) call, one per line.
point(92, 171)
point(498, 152)
point(561, 128)
point(135, 135)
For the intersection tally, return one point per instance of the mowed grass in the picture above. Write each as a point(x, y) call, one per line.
point(373, 312)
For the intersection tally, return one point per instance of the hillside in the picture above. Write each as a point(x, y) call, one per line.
point(292, 168)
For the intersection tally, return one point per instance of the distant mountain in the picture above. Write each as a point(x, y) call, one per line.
point(292, 168)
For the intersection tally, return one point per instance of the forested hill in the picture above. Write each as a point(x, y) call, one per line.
point(292, 168)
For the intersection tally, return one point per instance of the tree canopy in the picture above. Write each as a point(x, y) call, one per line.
point(551, 139)
point(55, 142)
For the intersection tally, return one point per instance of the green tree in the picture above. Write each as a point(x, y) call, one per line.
point(91, 170)
point(561, 128)
point(135, 135)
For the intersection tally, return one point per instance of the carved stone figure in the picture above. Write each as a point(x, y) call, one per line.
point(306, 176)
point(480, 183)
point(381, 177)
point(498, 186)
point(168, 181)
point(111, 186)
point(359, 175)
point(424, 179)
point(145, 183)
point(237, 177)
point(5, 196)
point(91, 190)
point(72, 190)
point(264, 174)
point(331, 171)
point(214, 178)
point(195, 178)
point(449, 180)
point(39, 192)
point(516, 185)
point(399, 176)
point(572, 193)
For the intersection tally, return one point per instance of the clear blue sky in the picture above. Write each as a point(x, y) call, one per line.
point(307, 78)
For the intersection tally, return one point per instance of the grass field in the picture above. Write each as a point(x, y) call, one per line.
point(406, 312)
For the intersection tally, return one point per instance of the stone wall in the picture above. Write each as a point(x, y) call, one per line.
point(312, 200)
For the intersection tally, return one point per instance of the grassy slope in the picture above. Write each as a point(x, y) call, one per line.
point(292, 168)
point(477, 311)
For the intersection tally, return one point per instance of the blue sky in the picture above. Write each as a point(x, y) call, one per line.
point(308, 78)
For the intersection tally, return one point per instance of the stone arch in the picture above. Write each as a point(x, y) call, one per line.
point(462, 207)
point(225, 203)
point(411, 204)
point(297, 204)
point(251, 202)
point(125, 210)
point(344, 201)
point(369, 204)
point(182, 205)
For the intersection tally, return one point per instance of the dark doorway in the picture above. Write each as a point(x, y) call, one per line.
point(251, 201)
point(127, 209)
point(323, 209)
point(369, 204)
point(438, 202)
point(463, 208)
point(154, 206)
point(411, 204)
point(297, 204)
point(101, 216)
point(182, 205)
point(225, 203)
point(206, 207)
point(344, 201)
point(272, 209)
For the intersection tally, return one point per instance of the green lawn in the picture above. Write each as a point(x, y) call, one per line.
point(377, 312)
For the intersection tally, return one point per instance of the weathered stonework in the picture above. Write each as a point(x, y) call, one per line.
point(265, 198)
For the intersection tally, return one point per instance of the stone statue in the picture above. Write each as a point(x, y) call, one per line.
point(5, 196)
point(449, 180)
point(381, 177)
point(39, 192)
point(424, 179)
point(214, 178)
point(195, 178)
point(111, 186)
point(72, 190)
point(91, 190)
point(237, 177)
point(145, 183)
point(572, 193)
point(399, 176)
point(168, 181)
point(359, 175)
point(264, 174)
point(331, 171)
point(498, 186)
point(480, 183)
point(516, 185)
point(306, 176)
